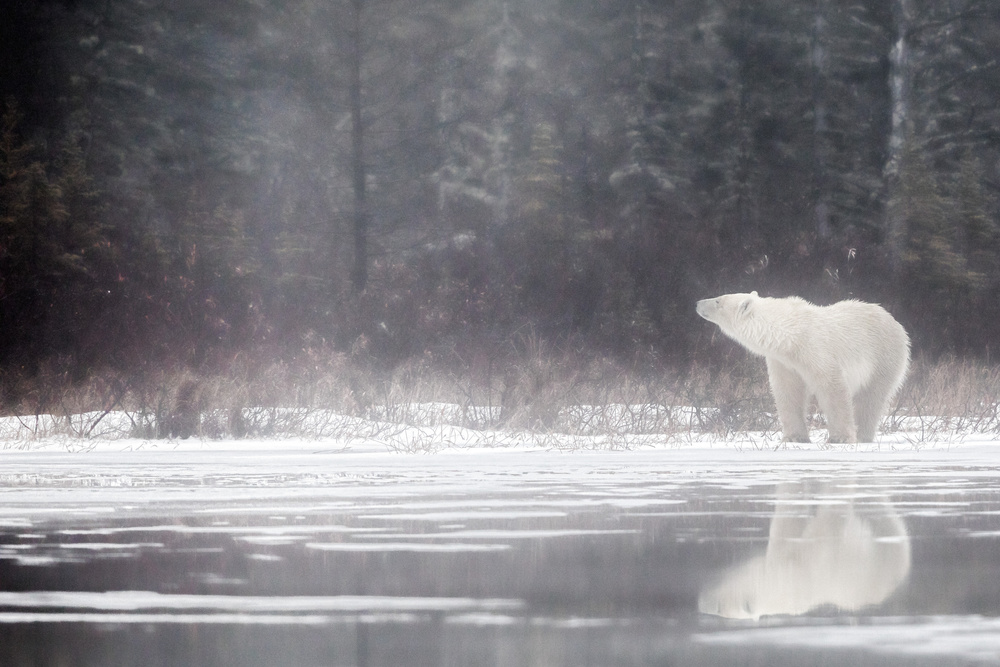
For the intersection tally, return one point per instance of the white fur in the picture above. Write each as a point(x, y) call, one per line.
point(852, 356)
point(819, 552)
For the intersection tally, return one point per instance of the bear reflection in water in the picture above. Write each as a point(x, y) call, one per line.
point(822, 550)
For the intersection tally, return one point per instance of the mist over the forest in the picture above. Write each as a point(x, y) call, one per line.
point(183, 182)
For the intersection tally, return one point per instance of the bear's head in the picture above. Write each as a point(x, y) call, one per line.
point(727, 310)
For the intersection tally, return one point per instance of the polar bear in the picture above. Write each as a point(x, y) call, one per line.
point(823, 548)
point(852, 356)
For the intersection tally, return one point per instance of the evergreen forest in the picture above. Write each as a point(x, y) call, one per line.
point(186, 184)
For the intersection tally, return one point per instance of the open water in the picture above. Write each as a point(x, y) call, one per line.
point(308, 559)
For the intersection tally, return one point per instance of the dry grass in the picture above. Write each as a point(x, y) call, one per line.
point(551, 394)
point(950, 396)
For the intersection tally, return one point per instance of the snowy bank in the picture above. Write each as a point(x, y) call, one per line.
point(436, 427)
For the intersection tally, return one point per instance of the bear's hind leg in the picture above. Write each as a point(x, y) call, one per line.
point(790, 395)
point(869, 406)
point(835, 402)
point(870, 403)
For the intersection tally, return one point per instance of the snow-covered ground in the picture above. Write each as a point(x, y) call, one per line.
point(436, 427)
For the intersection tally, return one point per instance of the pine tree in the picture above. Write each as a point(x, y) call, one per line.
point(483, 120)
point(980, 245)
point(54, 251)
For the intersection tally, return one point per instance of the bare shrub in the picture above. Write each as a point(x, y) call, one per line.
point(554, 396)
point(945, 397)
point(533, 391)
point(729, 400)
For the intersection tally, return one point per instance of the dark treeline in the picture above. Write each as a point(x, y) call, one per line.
point(185, 181)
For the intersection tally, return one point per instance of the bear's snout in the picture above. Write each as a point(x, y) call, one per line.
point(705, 308)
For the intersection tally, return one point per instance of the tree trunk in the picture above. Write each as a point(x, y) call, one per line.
point(359, 273)
point(821, 143)
point(900, 86)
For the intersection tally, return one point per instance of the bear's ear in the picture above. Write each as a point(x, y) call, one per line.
point(753, 293)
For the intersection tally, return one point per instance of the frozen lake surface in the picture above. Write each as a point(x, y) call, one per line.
point(687, 556)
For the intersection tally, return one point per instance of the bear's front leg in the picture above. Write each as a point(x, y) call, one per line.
point(835, 401)
point(790, 397)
